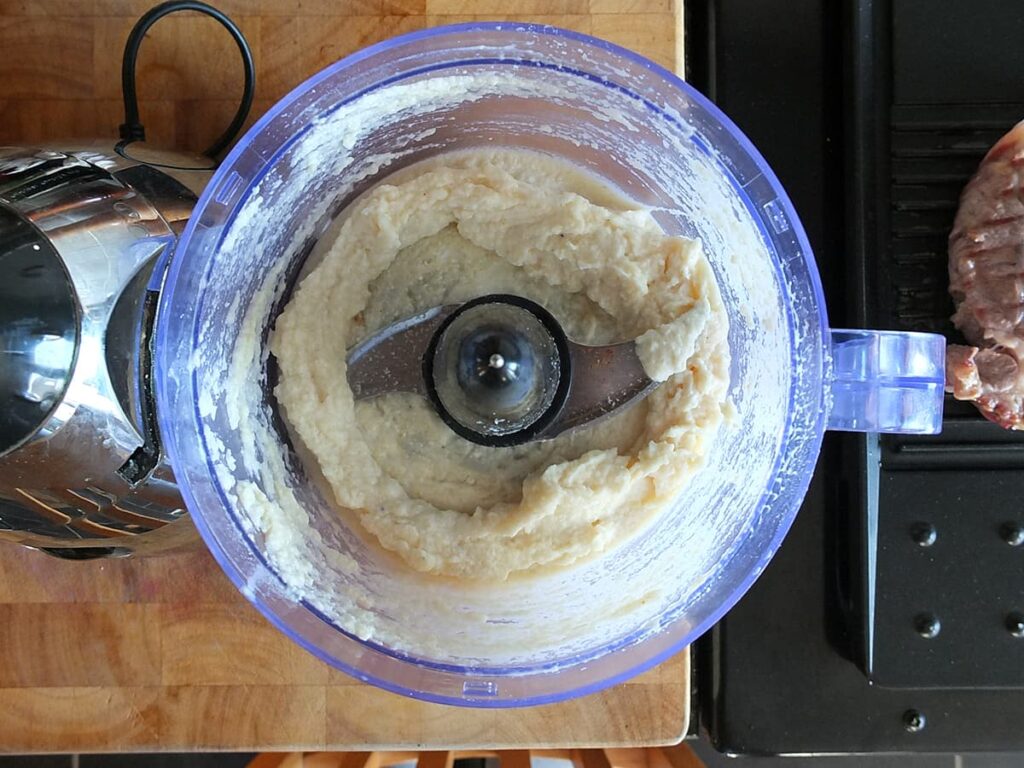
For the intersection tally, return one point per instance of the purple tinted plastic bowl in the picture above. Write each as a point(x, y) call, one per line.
point(668, 147)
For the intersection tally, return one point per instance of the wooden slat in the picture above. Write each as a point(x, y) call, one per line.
point(576, 22)
point(60, 719)
point(607, 718)
point(346, 760)
point(230, 643)
point(678, 756)
point(502, 7)
point(515, 758)
point(435, 760)
point(47, 57)
point(279, 717)
point(652, 33)
point(163, 653)
point(631, 6)
point(274, 760)
point(681, 756)
point(47, 645)
point(594, 758)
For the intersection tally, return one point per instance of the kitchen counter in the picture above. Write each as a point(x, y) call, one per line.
point(162, 653)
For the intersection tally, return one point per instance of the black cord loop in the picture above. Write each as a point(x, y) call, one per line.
point(132, 128)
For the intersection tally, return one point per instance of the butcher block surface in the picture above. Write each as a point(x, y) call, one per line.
point(162, 653)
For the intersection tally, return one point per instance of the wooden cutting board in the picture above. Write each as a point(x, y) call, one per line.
point(162, 653)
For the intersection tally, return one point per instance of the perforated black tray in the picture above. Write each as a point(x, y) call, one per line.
point(875, 113)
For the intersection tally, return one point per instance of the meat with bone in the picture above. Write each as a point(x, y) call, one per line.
point(986, 280)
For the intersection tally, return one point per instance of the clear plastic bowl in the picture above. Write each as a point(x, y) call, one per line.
point(623, 117)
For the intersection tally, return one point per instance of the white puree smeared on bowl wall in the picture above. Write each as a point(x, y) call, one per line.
point(326, 563)
point(504, 221)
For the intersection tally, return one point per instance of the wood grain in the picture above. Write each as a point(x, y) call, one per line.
point(652, 33)
point(47, 57)
point(163, 653)
point(238, 716)
point(60, 719)
point(229, 643)
point(60, 72)
point(117, 649)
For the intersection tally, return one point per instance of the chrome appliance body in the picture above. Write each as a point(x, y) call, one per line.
point(85, 235)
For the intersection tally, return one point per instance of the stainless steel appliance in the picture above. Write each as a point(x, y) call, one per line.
point(86, 231)
point(84, 238)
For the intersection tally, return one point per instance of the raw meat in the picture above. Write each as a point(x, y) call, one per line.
point(986, 279)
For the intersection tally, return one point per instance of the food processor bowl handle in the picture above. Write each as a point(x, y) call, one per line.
point(887, 381)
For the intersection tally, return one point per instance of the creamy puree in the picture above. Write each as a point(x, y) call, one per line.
point(504, 221)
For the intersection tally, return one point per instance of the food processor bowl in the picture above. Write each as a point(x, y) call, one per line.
point(555, 634)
